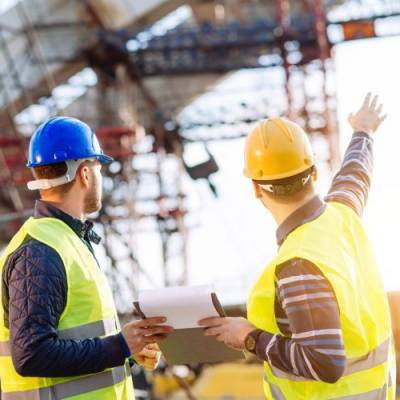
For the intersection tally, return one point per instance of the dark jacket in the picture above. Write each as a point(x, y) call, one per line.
point(34, 296)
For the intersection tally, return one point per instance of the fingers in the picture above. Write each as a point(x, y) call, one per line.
point(374, 102)
point(378, 111)
point(373, 106)
point(213, 321)
point(148, 353)
point(149, 322)
point(139, 334)
point(212, 331)
point(366, 101)
point(153, 338)
point(156, 330)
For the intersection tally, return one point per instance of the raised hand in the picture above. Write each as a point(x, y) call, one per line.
point(369, 117)
point(140, 333)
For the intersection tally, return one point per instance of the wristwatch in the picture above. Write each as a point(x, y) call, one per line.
point(250, 342)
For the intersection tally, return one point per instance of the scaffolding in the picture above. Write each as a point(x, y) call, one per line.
point(293, 39)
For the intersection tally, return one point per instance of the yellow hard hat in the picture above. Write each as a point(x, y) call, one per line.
point(276, 149)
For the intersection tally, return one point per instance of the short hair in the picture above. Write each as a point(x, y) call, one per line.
point(291, 189)
point(52, 171)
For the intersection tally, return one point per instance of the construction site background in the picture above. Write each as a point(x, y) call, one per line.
point(171, 88)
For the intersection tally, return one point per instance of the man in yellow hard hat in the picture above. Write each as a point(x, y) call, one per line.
point(318, 315)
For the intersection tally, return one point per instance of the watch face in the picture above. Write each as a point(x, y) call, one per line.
point(250, 343)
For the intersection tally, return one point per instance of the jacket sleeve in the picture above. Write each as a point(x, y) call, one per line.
point(352, 183)
point(312, 346)
point(37, 292)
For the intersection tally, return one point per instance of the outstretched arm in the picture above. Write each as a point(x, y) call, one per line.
point(351, 184)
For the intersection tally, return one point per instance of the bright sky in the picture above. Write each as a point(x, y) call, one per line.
point(374, 65)
point(6, 4)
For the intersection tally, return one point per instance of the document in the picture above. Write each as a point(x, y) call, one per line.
point(183, 307)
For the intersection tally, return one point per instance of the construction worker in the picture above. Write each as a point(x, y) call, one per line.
point(318, 315)
point(59, 332)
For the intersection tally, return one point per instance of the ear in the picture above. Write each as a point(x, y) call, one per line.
point(257, 190)
point(84, 176)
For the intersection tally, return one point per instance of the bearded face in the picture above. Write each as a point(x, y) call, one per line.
point(93, 197)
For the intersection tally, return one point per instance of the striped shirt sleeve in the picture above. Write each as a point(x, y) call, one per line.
point(311, 343)
point(351, 184)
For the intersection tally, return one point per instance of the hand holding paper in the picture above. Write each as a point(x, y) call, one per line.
point(231, 331)
point(183, 308)
point(138, 334)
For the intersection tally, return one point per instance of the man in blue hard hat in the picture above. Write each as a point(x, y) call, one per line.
point(59, 331)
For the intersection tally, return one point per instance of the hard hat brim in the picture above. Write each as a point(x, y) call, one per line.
point(101, 158)
point(104, 160)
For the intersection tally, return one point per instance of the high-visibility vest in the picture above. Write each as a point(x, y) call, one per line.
point(89, 312)
point(337, 243)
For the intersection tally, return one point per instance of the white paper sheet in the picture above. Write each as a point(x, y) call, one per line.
point(183, 306)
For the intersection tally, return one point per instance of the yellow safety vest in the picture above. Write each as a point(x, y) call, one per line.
point(336, 242)
point(89, 312)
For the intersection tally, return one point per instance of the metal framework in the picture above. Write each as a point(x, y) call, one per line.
point(292, 39)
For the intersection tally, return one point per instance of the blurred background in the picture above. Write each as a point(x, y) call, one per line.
point(172, 87)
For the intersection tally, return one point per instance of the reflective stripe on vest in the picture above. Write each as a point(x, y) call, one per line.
point(276, 392)
point(73, 388)
point(379, 394)
point(91, 330)
point(374, 358)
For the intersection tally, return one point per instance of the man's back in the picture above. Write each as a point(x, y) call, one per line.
point(337, 245)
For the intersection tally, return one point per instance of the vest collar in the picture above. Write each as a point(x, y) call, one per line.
point(83, 229)
point(306, 213)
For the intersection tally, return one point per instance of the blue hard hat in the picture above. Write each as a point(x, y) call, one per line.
point(61, 139)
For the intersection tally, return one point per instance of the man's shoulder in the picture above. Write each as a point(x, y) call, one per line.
point(34, 257)
point(296, 266)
